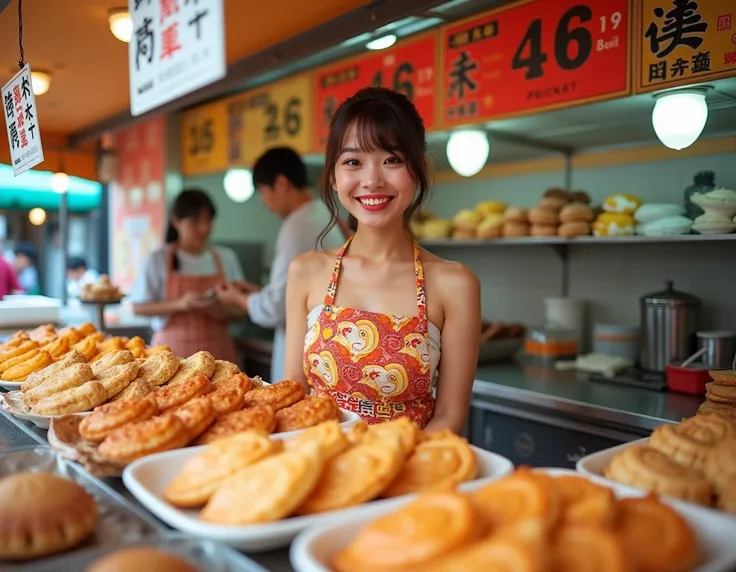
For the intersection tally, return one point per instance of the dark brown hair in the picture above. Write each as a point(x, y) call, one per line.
point(386, 120)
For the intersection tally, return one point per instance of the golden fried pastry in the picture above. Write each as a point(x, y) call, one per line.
point(136, 440)
point(725, 409)
point(355, 476)
point(584, 503)
point(159, 368)
point(15, 340)
point(525, 495)
point(111, 359)
point(202, 474)
point(196, 415)
point(116, 378)
point(721, 393)
point(111, 416)
point(175, 395)
point(74, 400)
point(36, 379)
point(137, 558)
point(136, 390)
point(439, 463)
point(136, 342)
point(57, 347)
point(267, 491)
point(22, 370)
point(723, 376)
point(12, 362)
point(279, 395)
point(238, 380)
point(327, 435)
point(655, 536)
point(139, 353)
point(43, 514)
point(720, 464)
point(224, 370)
point(689, 442)
point(72, 334)
point(403, 427)
point(70, 377)
point(201, 363)
point(156, 349)
point(259, 417)
point(579, 548)
point(648, 469)
point(88, 346)
point(426, 529)
point(111, 344)
point(18, 350)
point(43, 334)
point(87, 329)
point(306, 413)
point(227, 399)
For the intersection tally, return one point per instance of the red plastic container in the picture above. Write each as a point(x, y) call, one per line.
point(687, 379)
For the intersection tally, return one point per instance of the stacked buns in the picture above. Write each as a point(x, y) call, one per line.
point(101, 291)
point(248, 478)
point(527, 521)
point(561, 213)
point(720, 396)
point(693, 461)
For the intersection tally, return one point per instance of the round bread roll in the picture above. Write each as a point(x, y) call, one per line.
point(556, 193)
point(140, 558)
point(467, 220)
point(576, 212)
point(543, 230)
point(515, 214)
point(490, 229)
point(552, 203)
point(460, 234)
point(539, 215)
point(580, 197)
point(572, 229)
point(515, 229)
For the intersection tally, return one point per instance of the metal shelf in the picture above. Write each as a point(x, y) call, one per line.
point(559, 241)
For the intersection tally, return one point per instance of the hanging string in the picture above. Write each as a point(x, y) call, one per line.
point(21, 59)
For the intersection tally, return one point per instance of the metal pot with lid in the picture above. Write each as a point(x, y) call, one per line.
point(669, 321)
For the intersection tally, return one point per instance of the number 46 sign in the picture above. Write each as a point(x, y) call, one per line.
point(534, 55)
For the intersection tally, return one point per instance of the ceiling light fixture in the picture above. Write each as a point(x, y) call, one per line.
point(679, 117)
point(60, 182)
point(40, 82)
point(37, 216)
point(120, 23)
point(382, 43)
point(467, 151)
point(238, 185)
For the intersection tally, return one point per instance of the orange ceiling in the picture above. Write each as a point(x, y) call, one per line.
point(89, 67)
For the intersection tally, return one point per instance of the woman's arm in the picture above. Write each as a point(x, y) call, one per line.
point(460, 334)
point(297, 291)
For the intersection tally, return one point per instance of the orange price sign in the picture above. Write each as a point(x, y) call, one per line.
point(205, 139)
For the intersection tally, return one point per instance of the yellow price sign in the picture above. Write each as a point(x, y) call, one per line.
point(278, 115)
point(683, 42)
point(205, 139)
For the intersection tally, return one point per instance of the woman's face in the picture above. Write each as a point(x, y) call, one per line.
point(374, 186)
point(194, 231)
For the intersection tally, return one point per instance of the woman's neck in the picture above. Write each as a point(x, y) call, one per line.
point(379, 244)
point(191, 249)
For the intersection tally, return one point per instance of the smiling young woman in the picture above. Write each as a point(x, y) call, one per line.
point(384, 326)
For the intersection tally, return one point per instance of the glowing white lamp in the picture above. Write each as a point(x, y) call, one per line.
point(679, 117)
point(382, 43)
point(37, 216)
point(60, 183)
point(467, 151)
point(120, 24)
point(40, 82)
point(238, 185)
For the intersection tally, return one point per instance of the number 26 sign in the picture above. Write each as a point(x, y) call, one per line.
point(534, 55)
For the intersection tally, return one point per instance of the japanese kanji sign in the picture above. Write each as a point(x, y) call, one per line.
point(409, 67)
point(21, 120)
point(177, 46)
point(684, 41)
point(276, 115)
point(534, 55)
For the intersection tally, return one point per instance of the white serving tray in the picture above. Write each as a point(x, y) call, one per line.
point(28, 311)
point(592, 466)
point(314, 549)
point(147, 478)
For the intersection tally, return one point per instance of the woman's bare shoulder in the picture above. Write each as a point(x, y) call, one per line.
point(314, 261)
point(451, 278)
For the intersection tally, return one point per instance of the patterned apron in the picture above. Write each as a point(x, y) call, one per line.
point(376, 365)
point(189, 332)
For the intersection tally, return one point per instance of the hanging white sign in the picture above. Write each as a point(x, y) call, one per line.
point(21, 122)
point(177, 46)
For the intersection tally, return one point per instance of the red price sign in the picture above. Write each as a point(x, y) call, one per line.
point(408, 67)
point(534, 55)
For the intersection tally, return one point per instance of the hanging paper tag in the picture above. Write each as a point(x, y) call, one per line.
point(21, 121)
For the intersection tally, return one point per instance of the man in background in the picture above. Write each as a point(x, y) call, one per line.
point(25, 267)
point(280, 177)
point(77, 275)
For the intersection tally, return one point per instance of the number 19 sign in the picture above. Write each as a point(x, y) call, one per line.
point(534, 55)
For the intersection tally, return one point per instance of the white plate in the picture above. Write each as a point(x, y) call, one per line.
point(147, 478)
point(11, 385)
point(42, 421)
point(347, 420)
point(593, 465)
point(314, 549)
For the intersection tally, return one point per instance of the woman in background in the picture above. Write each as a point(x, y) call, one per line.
point(175, 285)
point(368, 323)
